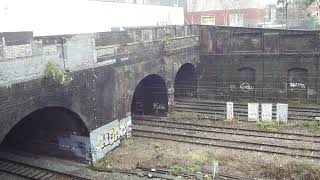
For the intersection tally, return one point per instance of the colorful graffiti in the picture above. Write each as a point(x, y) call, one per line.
point(107, 137)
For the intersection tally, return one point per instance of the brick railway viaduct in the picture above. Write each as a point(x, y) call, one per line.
point(141, 71)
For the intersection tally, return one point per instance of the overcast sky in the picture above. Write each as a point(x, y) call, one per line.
point(75, 16)
point(266, 2)
point(48, 17)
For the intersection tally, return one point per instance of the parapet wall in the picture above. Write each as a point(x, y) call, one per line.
point(232, 40)
point(23, 56)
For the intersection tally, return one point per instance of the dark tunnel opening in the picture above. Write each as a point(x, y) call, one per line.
point(150, 97)
point(186, 82)
point(51, 131)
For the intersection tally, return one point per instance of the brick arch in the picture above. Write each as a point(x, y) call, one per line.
point(186, 80)
point(24, 112)
point(160, 88)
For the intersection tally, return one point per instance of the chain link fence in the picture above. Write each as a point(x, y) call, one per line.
point(310, 23)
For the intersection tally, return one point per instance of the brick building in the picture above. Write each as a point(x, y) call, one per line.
point(248, 17)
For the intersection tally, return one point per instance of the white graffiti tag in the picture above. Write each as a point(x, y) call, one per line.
point(158, 106)
point(298, 85)
point(246, 87)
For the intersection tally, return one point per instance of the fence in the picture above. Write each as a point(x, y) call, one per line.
point(309, 23)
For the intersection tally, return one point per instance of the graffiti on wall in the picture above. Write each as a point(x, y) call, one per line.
point(107, 137)
point(297, 85)
point(158, 106)
point(246, 87)
point(78, 145)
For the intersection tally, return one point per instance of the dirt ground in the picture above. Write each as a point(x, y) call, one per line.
point(187, 158)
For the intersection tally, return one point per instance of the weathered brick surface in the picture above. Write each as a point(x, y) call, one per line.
point(105, 67)
point(271, 54)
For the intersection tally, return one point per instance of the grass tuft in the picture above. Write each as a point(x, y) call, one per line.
point(312, 125)
point(271, 127)
point(181, 169)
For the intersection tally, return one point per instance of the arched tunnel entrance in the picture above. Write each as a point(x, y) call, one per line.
point(185, 84)
point(51, 131)
point(150, 97)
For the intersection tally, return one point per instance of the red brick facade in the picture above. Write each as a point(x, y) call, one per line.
point(251, 16)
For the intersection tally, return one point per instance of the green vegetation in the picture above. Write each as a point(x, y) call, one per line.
point(271, 127)
point(312, 125)
point(167, 39)
point(181, 169)
point(53, 72)
point(306, 168)
point(197, 158)
point(309, 2)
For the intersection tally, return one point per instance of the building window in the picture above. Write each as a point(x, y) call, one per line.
point(208, 20)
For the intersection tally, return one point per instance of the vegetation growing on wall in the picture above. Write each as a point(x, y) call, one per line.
point(167, 39)
point(53, 72)
point(134, 36)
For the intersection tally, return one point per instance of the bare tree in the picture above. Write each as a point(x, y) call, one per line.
point(236, 5)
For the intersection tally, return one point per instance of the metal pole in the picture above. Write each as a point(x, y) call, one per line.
point(286, 14)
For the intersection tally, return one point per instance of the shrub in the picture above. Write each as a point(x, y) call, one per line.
point(53, 72)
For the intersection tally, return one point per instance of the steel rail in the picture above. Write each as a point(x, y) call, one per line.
point(173, 137)
point(33, 172)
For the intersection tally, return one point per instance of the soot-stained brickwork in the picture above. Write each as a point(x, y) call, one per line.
point(230, 62)
point(105, 69)
point(259, 64)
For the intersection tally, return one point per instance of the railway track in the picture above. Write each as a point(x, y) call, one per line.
point(219, 176)
point(202, 135)
point(33, 172)
point(218, 108)
point(143, 120)
point(162, 173)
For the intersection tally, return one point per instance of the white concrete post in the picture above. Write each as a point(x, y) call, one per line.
point(253, 112)
point(282, 113)
point(215, 168)
point(266, 113)
point(229, 110)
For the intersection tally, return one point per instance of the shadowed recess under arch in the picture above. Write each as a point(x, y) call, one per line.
point(150, 97)
point(185, 84)
point(50, 131)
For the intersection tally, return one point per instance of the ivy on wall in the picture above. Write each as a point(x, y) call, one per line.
point(53, 72)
